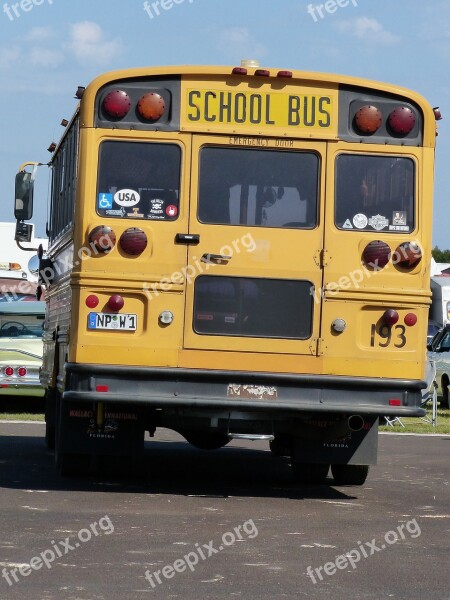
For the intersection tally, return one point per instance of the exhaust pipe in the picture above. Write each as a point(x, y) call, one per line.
point(355, 423)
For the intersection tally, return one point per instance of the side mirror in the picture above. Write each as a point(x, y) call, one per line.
point(23, 206)
point(33, 265)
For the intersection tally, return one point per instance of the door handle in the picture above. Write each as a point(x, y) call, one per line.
point(217, 259)
point(187, 238)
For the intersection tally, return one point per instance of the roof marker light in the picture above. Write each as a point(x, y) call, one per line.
point(52, 147)
point(262, 73)
point(80, 92)
point(286, 74)
point(437, 113)
point(239, 71)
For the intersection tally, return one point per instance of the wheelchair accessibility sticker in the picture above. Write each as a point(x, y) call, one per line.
point(105, 200)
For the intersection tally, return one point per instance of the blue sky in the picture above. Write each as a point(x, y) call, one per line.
point(49, 47)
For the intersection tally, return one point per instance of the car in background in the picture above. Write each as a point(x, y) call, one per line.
point(439, 352)
point(433, 328)
point(21, 348)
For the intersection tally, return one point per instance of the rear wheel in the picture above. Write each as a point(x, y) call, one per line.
point(310, 473)
point(50, 433)
point(280, 446)
point(349, 474)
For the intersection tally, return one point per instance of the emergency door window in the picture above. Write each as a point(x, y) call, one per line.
point(374, 193)
point(139, 180)
point(266, 188)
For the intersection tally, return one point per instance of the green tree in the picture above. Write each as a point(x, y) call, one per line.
point(441, 256)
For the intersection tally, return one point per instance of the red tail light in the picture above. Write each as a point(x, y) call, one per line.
point(376, 254)
point(402, 120)
point(390, 317)
point(133, 241)
point(21, 371)
point(116, 104)
point(116, 302)
point(9, 371)
point(102, 239)
point(407, 255)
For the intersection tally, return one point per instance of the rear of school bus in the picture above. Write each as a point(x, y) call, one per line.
point(259, 244)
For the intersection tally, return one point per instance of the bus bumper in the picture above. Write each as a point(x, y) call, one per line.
point(243, 391)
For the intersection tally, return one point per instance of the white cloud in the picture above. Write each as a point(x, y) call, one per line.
point(369, 30)
point(239, 43)
point(39, 34)
point(44, 57)
point(89, 44)
point(8, 57)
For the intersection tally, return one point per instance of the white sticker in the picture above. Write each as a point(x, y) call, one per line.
point(360, 221)
point(378, 222)
point(127, 198)
point(399, 217)
point(398, 228)
point(347, 225)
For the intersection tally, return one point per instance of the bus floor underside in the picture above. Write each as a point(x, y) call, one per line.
point(316, 421)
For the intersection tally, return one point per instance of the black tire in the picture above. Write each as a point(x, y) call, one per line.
point(70, 465)
point(207, 441)
point(279, 447)
point(50, 436)
point(444, 387)
point(349, 474)
point(310, 473)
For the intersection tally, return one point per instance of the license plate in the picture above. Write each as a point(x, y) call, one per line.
point(120, 322)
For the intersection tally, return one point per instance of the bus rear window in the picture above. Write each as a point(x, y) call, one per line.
point(266, 188)
point(374, 193)
point(139, 180)
point(253, 307)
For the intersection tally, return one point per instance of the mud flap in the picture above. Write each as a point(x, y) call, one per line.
point(101, 429)
point(351, 448)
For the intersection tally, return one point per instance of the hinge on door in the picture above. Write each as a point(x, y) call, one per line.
point(322, 258)
point(316, 346)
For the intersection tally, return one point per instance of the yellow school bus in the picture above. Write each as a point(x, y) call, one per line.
point(236, 253)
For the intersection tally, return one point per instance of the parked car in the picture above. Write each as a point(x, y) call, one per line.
point(439, 352)
point(433, 328)
point(21, 348)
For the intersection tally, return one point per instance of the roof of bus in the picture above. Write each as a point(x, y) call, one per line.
point(305, 76)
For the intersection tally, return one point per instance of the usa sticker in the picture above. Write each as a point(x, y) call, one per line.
point(105, 200)
point(171, 210)
point(127, 198)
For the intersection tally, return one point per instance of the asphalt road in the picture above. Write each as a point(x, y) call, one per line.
point(230, 523)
